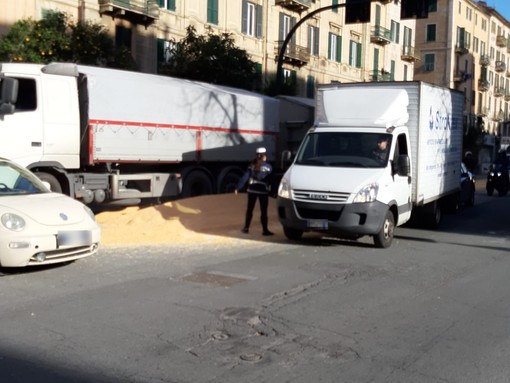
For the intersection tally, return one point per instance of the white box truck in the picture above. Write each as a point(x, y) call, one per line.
point(340, 184)
point(113, 136)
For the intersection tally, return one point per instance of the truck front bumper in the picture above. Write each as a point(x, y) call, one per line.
point(350, 219)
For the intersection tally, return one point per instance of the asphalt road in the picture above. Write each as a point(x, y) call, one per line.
point(434, 307)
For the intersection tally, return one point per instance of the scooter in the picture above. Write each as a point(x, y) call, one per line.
point(497, 179)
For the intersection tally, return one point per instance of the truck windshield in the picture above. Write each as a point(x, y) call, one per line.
point(345, 149)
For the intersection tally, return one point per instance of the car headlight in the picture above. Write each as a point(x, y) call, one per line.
point(89, 212)
point(367, 194)
point(13, 222)
point(284, 189)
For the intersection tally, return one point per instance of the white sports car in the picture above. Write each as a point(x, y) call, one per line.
point(39, 227)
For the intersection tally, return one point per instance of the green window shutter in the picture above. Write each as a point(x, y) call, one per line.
point(258, 27)
point(161, 3)
point(329, 45)
point(339, 48)
point(170, 5)
point(310, 87)
point(334, 2)
point(212, 11)
point(244, 17)
point(358, 58)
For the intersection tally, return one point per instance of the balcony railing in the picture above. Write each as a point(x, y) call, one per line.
point(483, 85)
point(507, 95)
point(462, 47)
point(295, 5)
point(380, 75)
point(501, 41)
point(461, 76)
point(380, 35)
point(499, 91)
point(483, 111)
point(500, 66)
point(294, 54)
point(410, 53)
point(138, 11)
point(485, 60)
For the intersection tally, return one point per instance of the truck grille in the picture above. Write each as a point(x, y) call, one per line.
point(316, 196)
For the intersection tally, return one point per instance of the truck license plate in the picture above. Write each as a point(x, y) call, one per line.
point(318, 224)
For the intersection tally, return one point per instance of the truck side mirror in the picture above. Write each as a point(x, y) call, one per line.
point(8, 95)
point(403, 165)
point(286, 156)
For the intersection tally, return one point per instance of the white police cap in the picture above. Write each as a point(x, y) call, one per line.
point(260, 150)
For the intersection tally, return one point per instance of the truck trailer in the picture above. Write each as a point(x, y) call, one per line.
point(113, 136)
point(339, 183)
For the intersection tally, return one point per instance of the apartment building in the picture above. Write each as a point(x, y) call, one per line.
point(323, 49)
point(465, 45)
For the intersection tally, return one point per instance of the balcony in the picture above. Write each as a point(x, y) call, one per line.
point(483, 111)
point(380, 75)
point(485, 60)
point(294, 54)
point(483, 85)
point(462, 47)
point(137, 11)
point(501, 41)
point(410, 54)
point(380, 35)
point(295, 5)
point(461, 76)
point(500, 66)
point(507, 95)
point(499, 91)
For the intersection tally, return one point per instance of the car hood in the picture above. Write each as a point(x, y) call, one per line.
point(45, 208)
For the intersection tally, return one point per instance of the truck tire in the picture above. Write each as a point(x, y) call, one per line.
point(292, 234)
point(384, 238)
point(433, 214)
point(228, 180)
point(196, 183)
point(51, 179)
point(490, 190)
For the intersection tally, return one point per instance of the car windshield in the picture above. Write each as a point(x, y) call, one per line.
point(341, 149)
point(17, 180)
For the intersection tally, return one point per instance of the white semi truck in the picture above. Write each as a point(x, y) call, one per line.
point(113, 136)
point(337, 186)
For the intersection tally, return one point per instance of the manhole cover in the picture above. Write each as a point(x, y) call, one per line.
point(216, 279)
point(250, 357)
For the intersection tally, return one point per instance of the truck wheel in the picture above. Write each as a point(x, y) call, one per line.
point(196, 183)
point(490, 190)
point(433, 214)
point(228, 180)
point(292, 234)
point(384, 238)
point(51, 179)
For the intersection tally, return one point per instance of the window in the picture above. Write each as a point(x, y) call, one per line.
point(468, 13)
point(395, 31)
point(482, 48)
point(408, 37)
point(27, 100)
point(167, 4)
point(313, 40)
point(335, 47)
point(164, 51)
point(212, 12)
point(431, 32)
point(286, 24)
point(405, 72)
point(122, 37)
point(310, 87)
point(475, 44)
point(355, 54)
point(252, 19)
point(432, 5)
point(429, 62)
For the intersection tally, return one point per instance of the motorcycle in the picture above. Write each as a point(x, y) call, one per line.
point(497, 179)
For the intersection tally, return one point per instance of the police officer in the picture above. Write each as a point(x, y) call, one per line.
point(258, 178)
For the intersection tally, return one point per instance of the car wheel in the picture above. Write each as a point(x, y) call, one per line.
point(384, 238)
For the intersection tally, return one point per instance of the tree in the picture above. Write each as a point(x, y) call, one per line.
point(210, 58)
point(56, 38)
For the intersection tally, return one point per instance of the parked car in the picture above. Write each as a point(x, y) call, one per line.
point(39, 227)
point(467, 186)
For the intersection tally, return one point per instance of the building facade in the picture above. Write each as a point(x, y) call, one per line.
point(465, 45)
point(323, 49)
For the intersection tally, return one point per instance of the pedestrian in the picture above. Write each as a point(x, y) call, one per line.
point(257, 176)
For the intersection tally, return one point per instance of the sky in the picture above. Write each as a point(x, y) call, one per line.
point(502, 6)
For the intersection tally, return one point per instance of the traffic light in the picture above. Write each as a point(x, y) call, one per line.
point(414, 9)
point(357, 11)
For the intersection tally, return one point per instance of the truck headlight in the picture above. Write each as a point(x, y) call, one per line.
point(284, 189)
point(367, 194)
point(13, 222)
